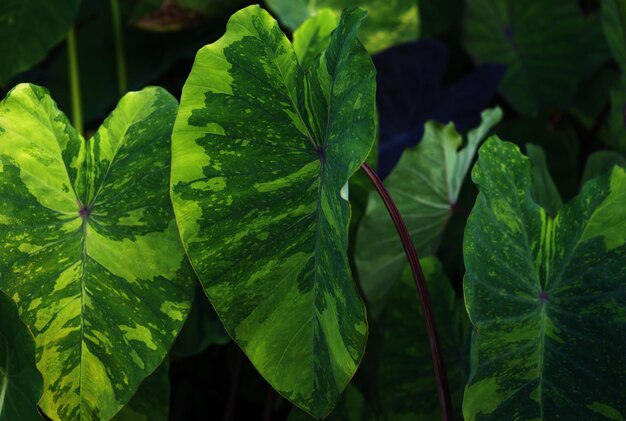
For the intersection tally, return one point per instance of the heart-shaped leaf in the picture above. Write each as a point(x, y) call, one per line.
point(540, 42)
point(546, 296)
point(261, 153)
point(425, 186)
point(20, 382)
point(389, 22)
point(28, 29)
point(91, 252)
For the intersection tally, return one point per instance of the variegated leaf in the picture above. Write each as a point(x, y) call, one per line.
point(91, 252)
point(546, 296)
point(262, 152)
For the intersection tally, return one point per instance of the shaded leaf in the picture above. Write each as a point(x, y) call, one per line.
point(545, 295)
point(410, 92)
point(20, 382)
point(601, 162)
point(350, 407)
point(544, 191)
point(152, 400)
point(614, 25)
point(540, 42)
point(425, 186)
point(261, 154)
point(74, 214)
point(388, 23)
point(28, 29)
point(202, 328)
point(407, 381)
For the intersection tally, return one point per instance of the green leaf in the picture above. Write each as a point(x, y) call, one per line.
point(28, 29)
point(350, 407)
point(617, 116)
point(407, 383)
point(614, 25)
point(601, 162)
point(544, 190)
point(540, 42)
point(91, 253)
point(313, 37)
point(260, 156)
point(152, 400)
point(425, 186)
point(20, 382)
point(545, 295)
point(389, 22)
point(202, 328)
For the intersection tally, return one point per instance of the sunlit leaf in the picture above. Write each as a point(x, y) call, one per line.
point(261, 153)
point(91, 253)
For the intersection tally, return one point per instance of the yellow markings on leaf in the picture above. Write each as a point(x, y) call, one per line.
point(481, 398)
point(609, 219)
point(175, 311)
point(96, 383)
point(115, 255)
point(212, 184)
point(308, 171)
point(139, 333)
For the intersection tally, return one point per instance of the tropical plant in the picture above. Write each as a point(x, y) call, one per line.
point(136, 246)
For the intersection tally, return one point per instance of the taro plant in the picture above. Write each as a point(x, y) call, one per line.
point(252, 193)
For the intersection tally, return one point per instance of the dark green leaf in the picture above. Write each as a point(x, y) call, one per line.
point(152, 400)
point(545, 295)
point(91, 253)
point(28, 29)
point(617, 116)
point(601, 162)
point(539, 41)
point(407, 381)
point(350, 407)
point(544, 191)
point(262, 153)
point(20, 382)
point(614, 24)
point(425, 186)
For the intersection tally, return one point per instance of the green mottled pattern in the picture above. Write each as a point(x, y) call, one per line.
point(261, 152)
point(313, 37)
point(28, 29)
point(539, 41)
point(425, 186)
point(544, 190)
point(406, 377)
point(152, 400)
point(20, 382)
point(546, 296)
point(614, 25)
point(389, 22)
point(104, 295)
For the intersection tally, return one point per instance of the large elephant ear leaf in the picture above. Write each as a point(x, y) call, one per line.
point(20, 382)
point(545, 296)
point(91, 253)
point(260, 156)
point(28, 29)
point(426, 185)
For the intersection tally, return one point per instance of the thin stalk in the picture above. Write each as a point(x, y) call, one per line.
point(120, 58)
point(420, 283)
point(77, 107)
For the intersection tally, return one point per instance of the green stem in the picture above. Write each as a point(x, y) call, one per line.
point(122, 83)
point(77, 107)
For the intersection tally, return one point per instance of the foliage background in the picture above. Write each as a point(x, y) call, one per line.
point(555, 67)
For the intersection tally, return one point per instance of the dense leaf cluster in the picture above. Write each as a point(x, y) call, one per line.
point(210, 248)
